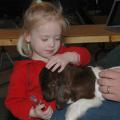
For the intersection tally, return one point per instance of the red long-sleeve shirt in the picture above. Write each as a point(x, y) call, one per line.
point(24, 83)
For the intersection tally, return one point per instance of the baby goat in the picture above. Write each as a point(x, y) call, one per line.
point(76, 85)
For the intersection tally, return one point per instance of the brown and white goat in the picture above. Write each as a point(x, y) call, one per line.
point(76, 85)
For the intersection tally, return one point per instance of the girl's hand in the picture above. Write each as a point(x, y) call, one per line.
point(59, 61)
point(110, 84)
point(37, 112)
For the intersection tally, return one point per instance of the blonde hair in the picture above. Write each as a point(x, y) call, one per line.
point(38, 14)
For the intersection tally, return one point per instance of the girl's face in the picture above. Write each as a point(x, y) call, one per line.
point(45, 40)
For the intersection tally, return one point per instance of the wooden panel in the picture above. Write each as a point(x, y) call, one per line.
point(115, 38)
point(75, 34)
point(9, 33)
point(87, 39)
point(88, 30)
point(8, 42)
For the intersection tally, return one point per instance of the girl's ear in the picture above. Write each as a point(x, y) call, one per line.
point(27, 36)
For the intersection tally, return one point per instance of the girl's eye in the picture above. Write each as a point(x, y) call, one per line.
point(58, 39)
point(44, 39)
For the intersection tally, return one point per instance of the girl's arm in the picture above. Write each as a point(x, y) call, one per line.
point(17, 100)
point(23, 85)
point(83, 52)
point(74, 55)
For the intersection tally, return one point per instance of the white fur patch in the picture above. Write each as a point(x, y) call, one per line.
point(96, 71)
point(78, 108)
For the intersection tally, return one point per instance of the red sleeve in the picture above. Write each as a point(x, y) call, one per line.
point(17, 101)
point(21, 88)
point(85, 55)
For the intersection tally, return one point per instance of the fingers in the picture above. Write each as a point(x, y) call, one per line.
point(44, 114)
point(55, 67)
point(106, 82)
point(106, 89)
point(59, 66)
point(111, 92)
point(40, 107)
point(110, 73)
point(48, 113)
point(53, 61)
point(111, 97)
point(56, 63)
point(116, 69)
point(109, 83)
point(59, 61)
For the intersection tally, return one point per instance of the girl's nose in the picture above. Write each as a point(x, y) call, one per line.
point(52, 43)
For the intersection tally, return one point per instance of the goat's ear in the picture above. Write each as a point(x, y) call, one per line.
point(43, 78)
point(47, 83)
point(62, 96)
point(44, 73)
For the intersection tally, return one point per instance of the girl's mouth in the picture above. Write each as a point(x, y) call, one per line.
point(49, 51)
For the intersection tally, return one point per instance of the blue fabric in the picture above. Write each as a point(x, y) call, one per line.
point(109, 110)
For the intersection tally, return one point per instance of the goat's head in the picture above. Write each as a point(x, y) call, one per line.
point(72, 83)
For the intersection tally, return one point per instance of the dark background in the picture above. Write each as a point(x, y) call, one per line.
point(79, 11)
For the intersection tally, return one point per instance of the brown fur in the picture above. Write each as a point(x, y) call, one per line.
point(72, 83)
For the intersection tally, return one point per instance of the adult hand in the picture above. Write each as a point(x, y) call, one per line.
point(59, 61)
point(110, 83)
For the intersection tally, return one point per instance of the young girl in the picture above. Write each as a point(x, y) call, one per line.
point(41, 43)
